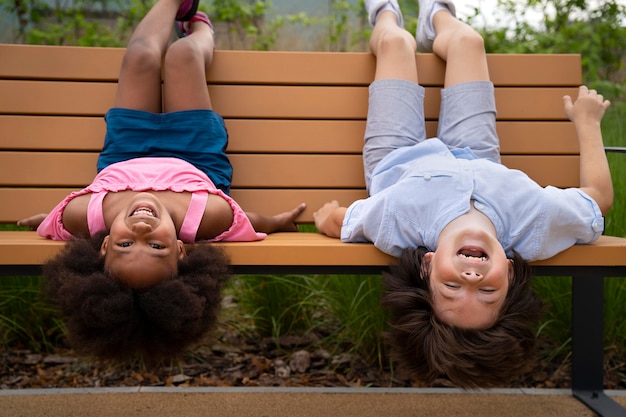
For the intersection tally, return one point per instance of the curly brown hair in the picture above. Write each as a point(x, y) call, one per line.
point(469, 358)
point(112, 321)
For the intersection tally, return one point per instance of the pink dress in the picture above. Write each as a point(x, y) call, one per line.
point(152, 174)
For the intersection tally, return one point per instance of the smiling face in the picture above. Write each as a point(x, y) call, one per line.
point(469, 275)
point(142, 248)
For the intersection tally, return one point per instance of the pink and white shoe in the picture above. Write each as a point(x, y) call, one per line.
point(184, 28)
point(187, 10)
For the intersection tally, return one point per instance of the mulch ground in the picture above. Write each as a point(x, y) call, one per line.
point(232, 360)
point(228, 358)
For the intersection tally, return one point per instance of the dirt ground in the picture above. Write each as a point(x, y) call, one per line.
point(229, 358)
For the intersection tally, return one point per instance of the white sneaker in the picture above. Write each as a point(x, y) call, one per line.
point(373, 7)
point(425, 33)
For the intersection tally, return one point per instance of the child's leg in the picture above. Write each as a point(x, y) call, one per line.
point(467, 116)
point(139, 85)
point(186, 63)
point(395, 116)
point(462, 48)
point(394, 49)
point(196, 133)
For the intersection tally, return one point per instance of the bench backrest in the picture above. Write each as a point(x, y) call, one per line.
point(295, 121)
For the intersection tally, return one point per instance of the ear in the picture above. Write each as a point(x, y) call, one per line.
point(426, 261)
point(182, 250)
point(105, 244)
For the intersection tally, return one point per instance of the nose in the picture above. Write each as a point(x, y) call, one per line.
point(472, 275)
point(141, 227)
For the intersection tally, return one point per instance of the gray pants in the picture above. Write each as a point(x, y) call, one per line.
point(395, 119)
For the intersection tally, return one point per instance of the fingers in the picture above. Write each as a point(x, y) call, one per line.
point(299, 209)
point(567, 103)
point(32, 222)
point(295, 213)
point(588, 104)
point(584, 91)
point(326, 207)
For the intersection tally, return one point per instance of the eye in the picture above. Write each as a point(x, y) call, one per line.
point(124, 244)
point(156, 246)
point(452, 286)
point(487, 290)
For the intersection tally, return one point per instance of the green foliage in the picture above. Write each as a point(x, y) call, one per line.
point(76, 22)
point(247, 24)
point(26, 321)
point(344, 308)
point(338, 24)
point(556, 293)
point(10, 226)
point(277, 304)
point(568, 26)
point(614, 134)
point(353, 301)
point(614, 313)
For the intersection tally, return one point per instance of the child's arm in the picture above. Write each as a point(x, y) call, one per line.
point(32, 222)
point(329, 218)
point(282, 222)
point(73, 219)
point(595, 177)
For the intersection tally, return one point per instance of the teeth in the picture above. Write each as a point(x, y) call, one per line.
point(473, 258)
point(143, 212)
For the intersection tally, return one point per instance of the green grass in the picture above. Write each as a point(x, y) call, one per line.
point(8, 226)
point(344, 309)
point(277, 305)
point(354, 301)
point(26, 321)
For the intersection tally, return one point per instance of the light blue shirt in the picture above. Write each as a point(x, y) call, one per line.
point(416, 191)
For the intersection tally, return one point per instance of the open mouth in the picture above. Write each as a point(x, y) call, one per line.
point(143, 211)
point(472, 255)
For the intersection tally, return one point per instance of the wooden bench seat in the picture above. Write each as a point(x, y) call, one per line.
point(296, 123)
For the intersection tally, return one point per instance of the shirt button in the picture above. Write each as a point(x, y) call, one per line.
point(479, 206)
point(598, 225)
point(427, 177)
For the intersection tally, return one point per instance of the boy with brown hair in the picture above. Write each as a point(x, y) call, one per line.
point(463, 225)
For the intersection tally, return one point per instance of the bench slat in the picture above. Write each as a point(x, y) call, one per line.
point(287, 102)
point(49, 133)
point(25, 248)
point(252, 67)
point(259, 171)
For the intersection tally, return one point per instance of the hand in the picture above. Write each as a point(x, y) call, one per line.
point(589, 107)
point(32, 222)
point(329, 218)
point(595, 176)
point(286, 221)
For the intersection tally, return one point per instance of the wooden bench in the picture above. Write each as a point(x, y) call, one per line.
point(296, 123)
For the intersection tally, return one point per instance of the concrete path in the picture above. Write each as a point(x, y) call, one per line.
point(286, 402)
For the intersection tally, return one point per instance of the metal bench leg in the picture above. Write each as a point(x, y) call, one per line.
point(588, 345)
